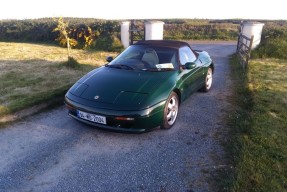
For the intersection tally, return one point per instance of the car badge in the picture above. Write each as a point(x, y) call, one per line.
point(96, 97)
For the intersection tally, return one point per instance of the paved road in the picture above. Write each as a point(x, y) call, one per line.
point(52, 152)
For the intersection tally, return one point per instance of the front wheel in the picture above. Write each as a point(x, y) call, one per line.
point(170, 111)
point(208, 81)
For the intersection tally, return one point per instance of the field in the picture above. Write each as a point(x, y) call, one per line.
point(259, 133)
point(33, 73)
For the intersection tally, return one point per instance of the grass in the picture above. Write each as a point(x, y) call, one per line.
point(259, 135)
point(32, 73)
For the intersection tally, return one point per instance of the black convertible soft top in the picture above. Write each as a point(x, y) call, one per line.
point(163, 43)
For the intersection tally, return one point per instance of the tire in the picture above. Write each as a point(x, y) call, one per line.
point(170, 111)
point(208, 81)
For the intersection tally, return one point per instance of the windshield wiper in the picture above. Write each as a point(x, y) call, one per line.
point(125, 66)
point(158, 69)
point(121, 66)
point(151, 69)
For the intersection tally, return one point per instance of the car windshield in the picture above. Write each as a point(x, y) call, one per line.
point(146, 58)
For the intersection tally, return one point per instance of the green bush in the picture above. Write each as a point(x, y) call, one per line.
point(104, 34)
point(200, 30)
point(273, 48)
point(273, 43)
point(40, 30)
point(109, 43)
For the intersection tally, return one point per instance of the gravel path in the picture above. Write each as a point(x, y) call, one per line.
point(52, 152)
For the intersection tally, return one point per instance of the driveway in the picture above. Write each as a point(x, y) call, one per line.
point(52, 152)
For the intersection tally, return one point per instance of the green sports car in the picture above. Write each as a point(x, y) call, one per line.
point(142, 87)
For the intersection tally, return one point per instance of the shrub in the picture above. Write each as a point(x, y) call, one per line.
point(273, 44)
point(40, 30)
point(109, 43)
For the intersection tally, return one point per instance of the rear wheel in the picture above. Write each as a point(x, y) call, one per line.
point(208, 81)
point(170, 111)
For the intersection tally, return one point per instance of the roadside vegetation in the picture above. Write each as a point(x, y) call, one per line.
point(258, 142)
point(273, 42)
point(100, 34)
point(35, 73)
point(105, 34)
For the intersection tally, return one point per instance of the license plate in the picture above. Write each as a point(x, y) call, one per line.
point(92, 117)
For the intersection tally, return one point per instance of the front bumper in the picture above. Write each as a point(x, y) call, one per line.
point(138, 120)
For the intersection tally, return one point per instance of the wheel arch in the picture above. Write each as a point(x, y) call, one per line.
point(212, 67)
point(177, 91)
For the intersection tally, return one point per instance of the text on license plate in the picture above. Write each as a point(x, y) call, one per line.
point(92, 117)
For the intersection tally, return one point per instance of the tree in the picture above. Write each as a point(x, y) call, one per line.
point(64, 39)
point(88, 35)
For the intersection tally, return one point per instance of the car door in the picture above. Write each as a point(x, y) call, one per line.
point(190, 77)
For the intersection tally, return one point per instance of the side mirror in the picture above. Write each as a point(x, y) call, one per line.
point(109, 58)
point(190, 65)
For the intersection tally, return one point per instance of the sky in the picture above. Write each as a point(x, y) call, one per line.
point(145, 9)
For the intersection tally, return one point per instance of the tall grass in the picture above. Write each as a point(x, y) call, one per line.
point(259, 131)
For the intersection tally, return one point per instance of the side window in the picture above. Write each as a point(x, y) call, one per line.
point(186, 55)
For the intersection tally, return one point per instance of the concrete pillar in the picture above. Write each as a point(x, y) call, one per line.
point(154, 30)
point(253, 28)
point(125, 34)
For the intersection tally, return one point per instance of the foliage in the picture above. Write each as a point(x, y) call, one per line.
point(84, 31)
point(199, 31)
point(103, 37)
point(273, 43)
point(258, 136)
point(27, 30)
point(92, 33)
point(89, 37)
point(109, 43)
point(64, 36)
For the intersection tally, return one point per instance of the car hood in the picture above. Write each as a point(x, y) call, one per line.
point(121, 88)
